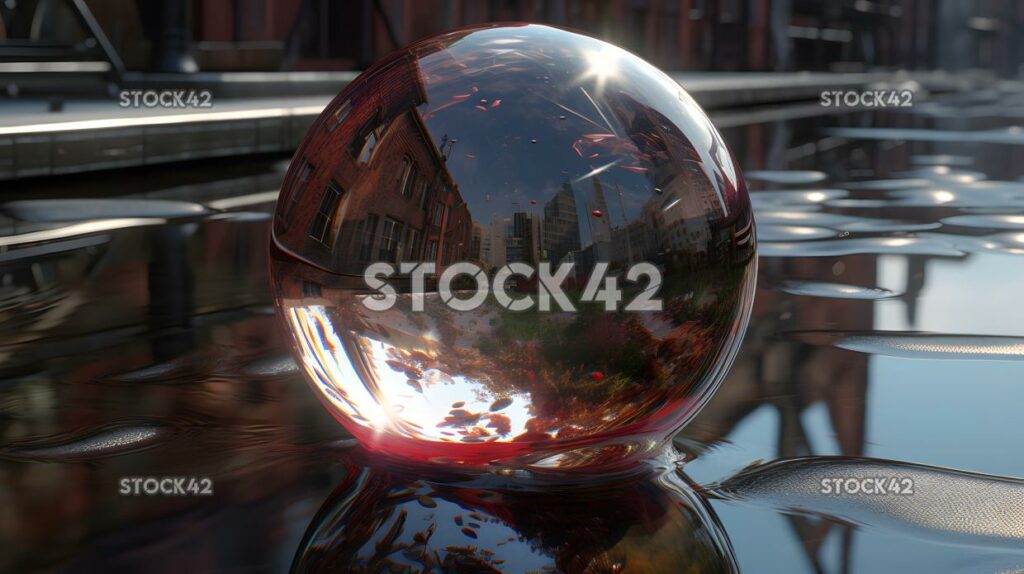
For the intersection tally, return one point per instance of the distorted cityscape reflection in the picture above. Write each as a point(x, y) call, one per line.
point(391, 519)
point(514, 245)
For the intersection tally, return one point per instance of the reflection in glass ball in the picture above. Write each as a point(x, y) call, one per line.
point(381, 519)
point(514, 245)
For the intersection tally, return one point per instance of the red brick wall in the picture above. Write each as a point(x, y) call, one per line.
point(374, 187)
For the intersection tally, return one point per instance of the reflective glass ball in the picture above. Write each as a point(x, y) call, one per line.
point(514, 246)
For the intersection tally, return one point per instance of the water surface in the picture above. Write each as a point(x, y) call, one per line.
point(885, 341)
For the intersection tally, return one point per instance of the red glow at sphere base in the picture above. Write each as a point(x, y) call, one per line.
point(514, 245)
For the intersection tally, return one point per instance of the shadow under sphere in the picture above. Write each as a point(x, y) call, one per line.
point(515, 150)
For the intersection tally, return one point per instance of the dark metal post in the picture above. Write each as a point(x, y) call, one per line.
point(167, 24)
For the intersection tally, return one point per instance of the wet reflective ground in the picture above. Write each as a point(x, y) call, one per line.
point(885, 342)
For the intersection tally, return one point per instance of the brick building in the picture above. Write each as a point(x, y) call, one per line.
point(370, 184)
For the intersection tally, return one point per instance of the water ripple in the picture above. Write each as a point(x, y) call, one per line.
point(788, 177)
point(833, 290)
point(887, 225)
point(793, 233)
point(109, 441)
point(942, 159)
point(987, 221)
point(797, 197)
point(1011, 243)
point(271, 366)
point(1010, 136)
point(859, 245)
point(943, 173)
point(58, 210)
point(885, 184)
point(945, 503)
point(918, 345)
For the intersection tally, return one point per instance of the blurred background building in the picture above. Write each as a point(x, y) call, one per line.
point(115, 36)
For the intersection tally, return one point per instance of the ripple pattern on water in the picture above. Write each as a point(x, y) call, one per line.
point(942, 159)
point(271, 366)
point(990, 221)
point(795, 196)
point(793, 233)
point(943, 173)
point(833, 290)
point(1009, 136)
point(858, 245)
point(884, 184)
point(857, 203)
point(56, 210)
point(947, 504)
point(917, 345)
point(883, 226)
point(786, 177)
point(109, 441)
point(997, 243)
point(838, 221)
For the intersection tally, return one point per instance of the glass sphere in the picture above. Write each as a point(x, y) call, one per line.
point(514, 245)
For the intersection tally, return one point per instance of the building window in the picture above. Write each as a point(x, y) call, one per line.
point(424, 195)
point(408, 177)
point(413, 242)
point(390, 240)
point(403, 171)
point(437, 215)
point(305, 172)
point(339, 115)
point(446, 256)
point(369, 138)
point(372, 139)
point(369, 232)
point(324, 218)
point(431, 254)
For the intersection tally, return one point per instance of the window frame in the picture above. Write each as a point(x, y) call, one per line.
point(323, 219)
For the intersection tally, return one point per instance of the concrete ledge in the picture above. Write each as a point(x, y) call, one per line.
point(104, 136)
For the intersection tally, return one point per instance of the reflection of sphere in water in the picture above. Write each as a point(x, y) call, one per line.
point(381, 519)
point(590, 237)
